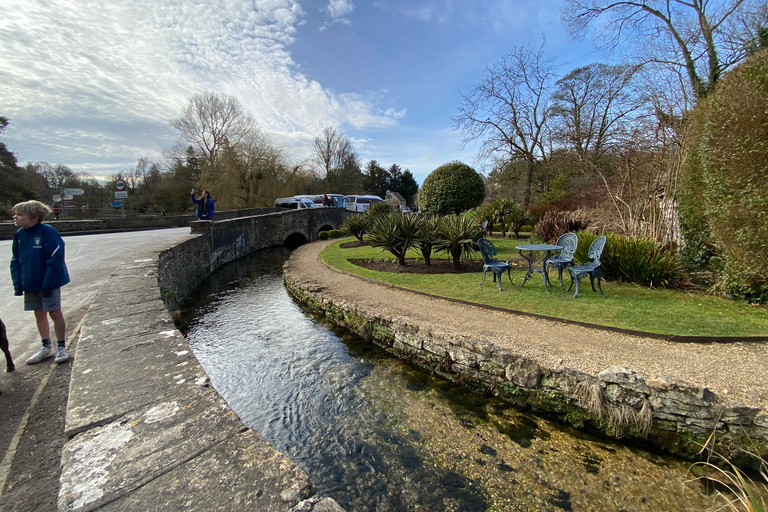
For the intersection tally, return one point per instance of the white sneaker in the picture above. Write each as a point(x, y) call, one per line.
point(43, 353)
point(61, 355)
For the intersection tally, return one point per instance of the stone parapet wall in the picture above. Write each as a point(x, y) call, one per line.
point(183, 267)
point(677, 416)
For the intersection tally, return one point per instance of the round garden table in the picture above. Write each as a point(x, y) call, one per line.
point(532, 248)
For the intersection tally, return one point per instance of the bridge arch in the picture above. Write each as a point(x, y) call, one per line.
point(294, 240)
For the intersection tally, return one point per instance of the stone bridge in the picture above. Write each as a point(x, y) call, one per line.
point(184, 266)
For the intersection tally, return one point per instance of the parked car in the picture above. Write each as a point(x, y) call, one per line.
point(406, 210)
point(295, 203)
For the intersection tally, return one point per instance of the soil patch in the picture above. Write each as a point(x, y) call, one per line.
point(413, 266)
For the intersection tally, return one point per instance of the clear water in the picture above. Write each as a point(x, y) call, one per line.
point(377, 434)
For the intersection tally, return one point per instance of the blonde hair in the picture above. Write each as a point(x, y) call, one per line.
point(32, 209)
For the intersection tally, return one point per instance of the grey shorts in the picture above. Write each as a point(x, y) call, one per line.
point(35, 300)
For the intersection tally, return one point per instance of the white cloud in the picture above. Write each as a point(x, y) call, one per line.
point(339, 9)
point(119, 71)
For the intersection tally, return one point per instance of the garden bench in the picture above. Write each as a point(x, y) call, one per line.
point(570, 242)
point(592, 268)
point(491, 263)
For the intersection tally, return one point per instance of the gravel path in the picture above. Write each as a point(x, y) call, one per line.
point(736, 372)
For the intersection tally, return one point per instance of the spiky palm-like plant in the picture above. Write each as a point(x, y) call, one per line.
point(395, 233)
point(485, 213)
point(430, 237)
point(356, 225)
point(516, 218)
point(459, 238)
point(380, 209)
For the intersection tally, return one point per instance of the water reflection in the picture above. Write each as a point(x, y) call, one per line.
point(377, 434)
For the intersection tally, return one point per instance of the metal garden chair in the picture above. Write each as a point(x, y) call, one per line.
point(570, 242)
point(491, 263)
point(591, 269)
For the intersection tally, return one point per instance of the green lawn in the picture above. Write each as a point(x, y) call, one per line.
point(628, 306)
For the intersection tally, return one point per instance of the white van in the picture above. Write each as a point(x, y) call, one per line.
point(294, 203)
point(360, 203)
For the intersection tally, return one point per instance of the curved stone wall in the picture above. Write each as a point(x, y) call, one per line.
point(677, 416)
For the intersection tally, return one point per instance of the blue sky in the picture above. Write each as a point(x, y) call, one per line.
point(93, 83)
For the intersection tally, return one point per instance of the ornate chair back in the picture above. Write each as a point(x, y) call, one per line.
point(596, 252)
point(570, 242)
point(488, 251)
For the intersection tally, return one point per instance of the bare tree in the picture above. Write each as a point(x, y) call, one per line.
point(332, 152)
point(696, 39)
point(509, 109)
point(594, 108)
point(210, 120)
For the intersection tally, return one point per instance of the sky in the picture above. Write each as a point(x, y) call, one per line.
point(93, 84)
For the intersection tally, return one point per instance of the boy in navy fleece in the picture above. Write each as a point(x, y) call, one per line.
point(38, 272)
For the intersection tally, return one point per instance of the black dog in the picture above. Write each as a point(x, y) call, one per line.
point(4, 346)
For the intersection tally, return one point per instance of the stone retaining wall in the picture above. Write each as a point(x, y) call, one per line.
point(672, 414)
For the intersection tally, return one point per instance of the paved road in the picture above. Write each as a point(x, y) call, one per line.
point(90, 259)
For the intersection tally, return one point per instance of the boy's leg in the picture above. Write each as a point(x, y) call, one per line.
point(59, 326)
point(41, 318)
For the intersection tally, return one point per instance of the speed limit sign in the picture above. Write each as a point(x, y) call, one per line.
point(120, 184)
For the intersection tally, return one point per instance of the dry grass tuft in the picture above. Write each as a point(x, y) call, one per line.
point(591, 397)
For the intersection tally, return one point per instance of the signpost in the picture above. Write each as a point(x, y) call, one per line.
point(120, 193)
point(74, 191)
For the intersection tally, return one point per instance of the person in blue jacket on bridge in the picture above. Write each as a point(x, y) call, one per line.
point(38, 272)
point(204, 205)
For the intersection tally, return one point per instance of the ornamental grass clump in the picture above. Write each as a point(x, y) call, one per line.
point(356, 225)
point(634, 260)
point(458, 238)
point(557, 223)
point(395, 233)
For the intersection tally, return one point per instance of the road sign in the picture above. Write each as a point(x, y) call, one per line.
point(74, 191)
point(119, 184)
point(57, 198)
point(68, 197)
point(117, 204)
point(69, 204)
point(121, 194)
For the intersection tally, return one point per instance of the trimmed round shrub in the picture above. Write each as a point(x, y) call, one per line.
point(634, 260)
point(323, 235)
point(336, 233)
point(451, 188)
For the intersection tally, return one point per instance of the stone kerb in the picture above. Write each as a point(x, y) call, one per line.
point(148, 431)
point(675, 415)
